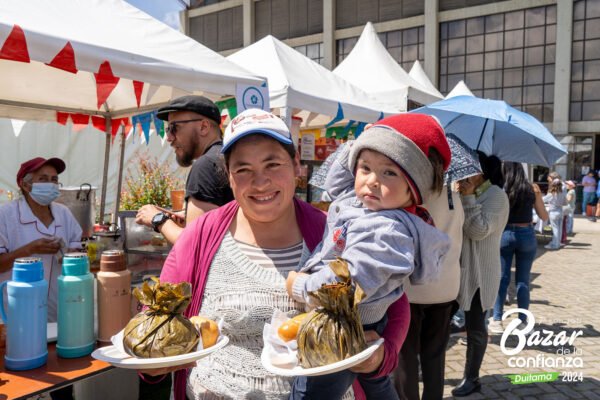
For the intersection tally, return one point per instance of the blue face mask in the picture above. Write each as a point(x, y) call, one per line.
point(44, 193)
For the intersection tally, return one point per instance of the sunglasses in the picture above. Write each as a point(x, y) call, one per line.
point(172, 127)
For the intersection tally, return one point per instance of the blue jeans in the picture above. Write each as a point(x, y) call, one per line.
point(334, 386)
point(569, 224)
point(588, 198)
point(556, 222)
point(518, 242)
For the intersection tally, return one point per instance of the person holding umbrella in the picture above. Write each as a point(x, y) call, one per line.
point(486, 209)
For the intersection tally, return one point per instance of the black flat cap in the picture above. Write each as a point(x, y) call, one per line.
point(198, 104)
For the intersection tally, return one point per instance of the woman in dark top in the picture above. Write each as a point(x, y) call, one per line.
point(518, 238)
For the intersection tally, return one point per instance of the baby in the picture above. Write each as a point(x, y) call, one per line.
point(376, 225)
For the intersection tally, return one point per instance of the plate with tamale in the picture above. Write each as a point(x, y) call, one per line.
point(297, 370)
point(116, 355)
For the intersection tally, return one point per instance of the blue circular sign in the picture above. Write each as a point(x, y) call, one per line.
point(253, 98)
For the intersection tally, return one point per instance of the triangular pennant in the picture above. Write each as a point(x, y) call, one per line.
point(152, 89)
point(360, 127)
point(105, 82)
point(346, 130)
point(228, 106)
point(145, 120)
point(62, 117)
point(339, 116)
point(80, 121)
point(137, 88)
point(99, 123)
point(116, 124)
point(17, 125)
point(159, 125)
point(65, 59)
point(15, 46)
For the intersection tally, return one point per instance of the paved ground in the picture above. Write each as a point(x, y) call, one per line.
point(565, 295)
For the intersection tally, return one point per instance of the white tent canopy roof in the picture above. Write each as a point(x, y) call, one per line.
point(136, 46)
point(297, 82)
point(461, 89)
point(419, 75)
point(371, 67)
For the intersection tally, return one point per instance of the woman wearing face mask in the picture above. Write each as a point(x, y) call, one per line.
point(35, 226)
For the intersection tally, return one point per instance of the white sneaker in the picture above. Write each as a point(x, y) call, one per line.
point(550, 247)
point(495, 326)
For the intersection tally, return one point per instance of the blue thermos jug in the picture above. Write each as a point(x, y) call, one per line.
point(75, 307)
point(26, 320)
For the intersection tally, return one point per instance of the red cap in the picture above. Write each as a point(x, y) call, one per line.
point(36, 163)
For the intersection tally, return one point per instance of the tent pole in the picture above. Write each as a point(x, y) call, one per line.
point(105, 173)
point(120, 179)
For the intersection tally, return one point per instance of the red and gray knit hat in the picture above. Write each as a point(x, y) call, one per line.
point(406, 139)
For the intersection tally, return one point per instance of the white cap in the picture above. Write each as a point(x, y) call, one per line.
point(253, 121)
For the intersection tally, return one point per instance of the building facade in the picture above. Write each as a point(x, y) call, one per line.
point(542, 56)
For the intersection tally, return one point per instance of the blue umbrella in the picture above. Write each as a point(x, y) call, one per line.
point(495, 128)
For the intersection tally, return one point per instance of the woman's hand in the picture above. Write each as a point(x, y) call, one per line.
point(373, 363)
point(466, 187)
point(44, 246)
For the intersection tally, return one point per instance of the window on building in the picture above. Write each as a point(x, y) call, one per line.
point(405, 46)
point(585, 64)
point(219, 31)
point(286, 19)
point(508, 56)
point(455, 4)
point(313, 51)
point(202, 3)
point(350, 13)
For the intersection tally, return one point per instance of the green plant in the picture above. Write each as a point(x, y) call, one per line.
point(148, 183)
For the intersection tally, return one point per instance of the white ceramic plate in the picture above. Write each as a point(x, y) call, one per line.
point(325, 369)
point(118, 358)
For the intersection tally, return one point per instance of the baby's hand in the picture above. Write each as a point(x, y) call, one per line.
point(289, 282)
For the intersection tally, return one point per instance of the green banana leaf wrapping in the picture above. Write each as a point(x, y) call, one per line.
point(161, 330)
point(332, 332)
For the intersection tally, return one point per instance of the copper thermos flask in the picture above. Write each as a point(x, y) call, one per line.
point(114, 294)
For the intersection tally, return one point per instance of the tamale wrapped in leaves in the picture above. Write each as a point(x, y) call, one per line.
point(161, 330)
point(332, 332)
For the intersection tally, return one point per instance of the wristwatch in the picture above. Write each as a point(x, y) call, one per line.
point(159, 219)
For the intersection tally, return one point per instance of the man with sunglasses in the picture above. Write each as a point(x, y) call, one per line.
point(194, 133)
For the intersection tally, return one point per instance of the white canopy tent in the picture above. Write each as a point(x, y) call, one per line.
point(298, 83)
point(461, 89)
point(371, 67)
point(419, 75)
point(103, 58)
point(81, 150)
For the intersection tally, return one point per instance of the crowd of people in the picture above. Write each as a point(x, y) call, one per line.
point(419, 250)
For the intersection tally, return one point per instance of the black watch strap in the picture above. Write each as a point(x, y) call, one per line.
point(159, 219)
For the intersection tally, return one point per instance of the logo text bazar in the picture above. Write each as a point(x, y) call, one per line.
point(536, 338)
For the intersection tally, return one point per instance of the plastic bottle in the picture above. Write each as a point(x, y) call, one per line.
point(75, 307)
point(26, 322)
point(114, 294)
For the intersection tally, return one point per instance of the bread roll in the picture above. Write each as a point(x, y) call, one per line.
point(289, 329)
point(209, 330)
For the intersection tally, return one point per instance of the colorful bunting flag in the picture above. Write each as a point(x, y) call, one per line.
point(15, 46)
point(229, 106)
point(159, 125)
point(137, 88)
point(65, 59)
point(105, 82)
point(339, 116)
point(99, 123)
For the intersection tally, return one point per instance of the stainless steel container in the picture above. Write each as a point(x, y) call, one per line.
point(81, 200)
